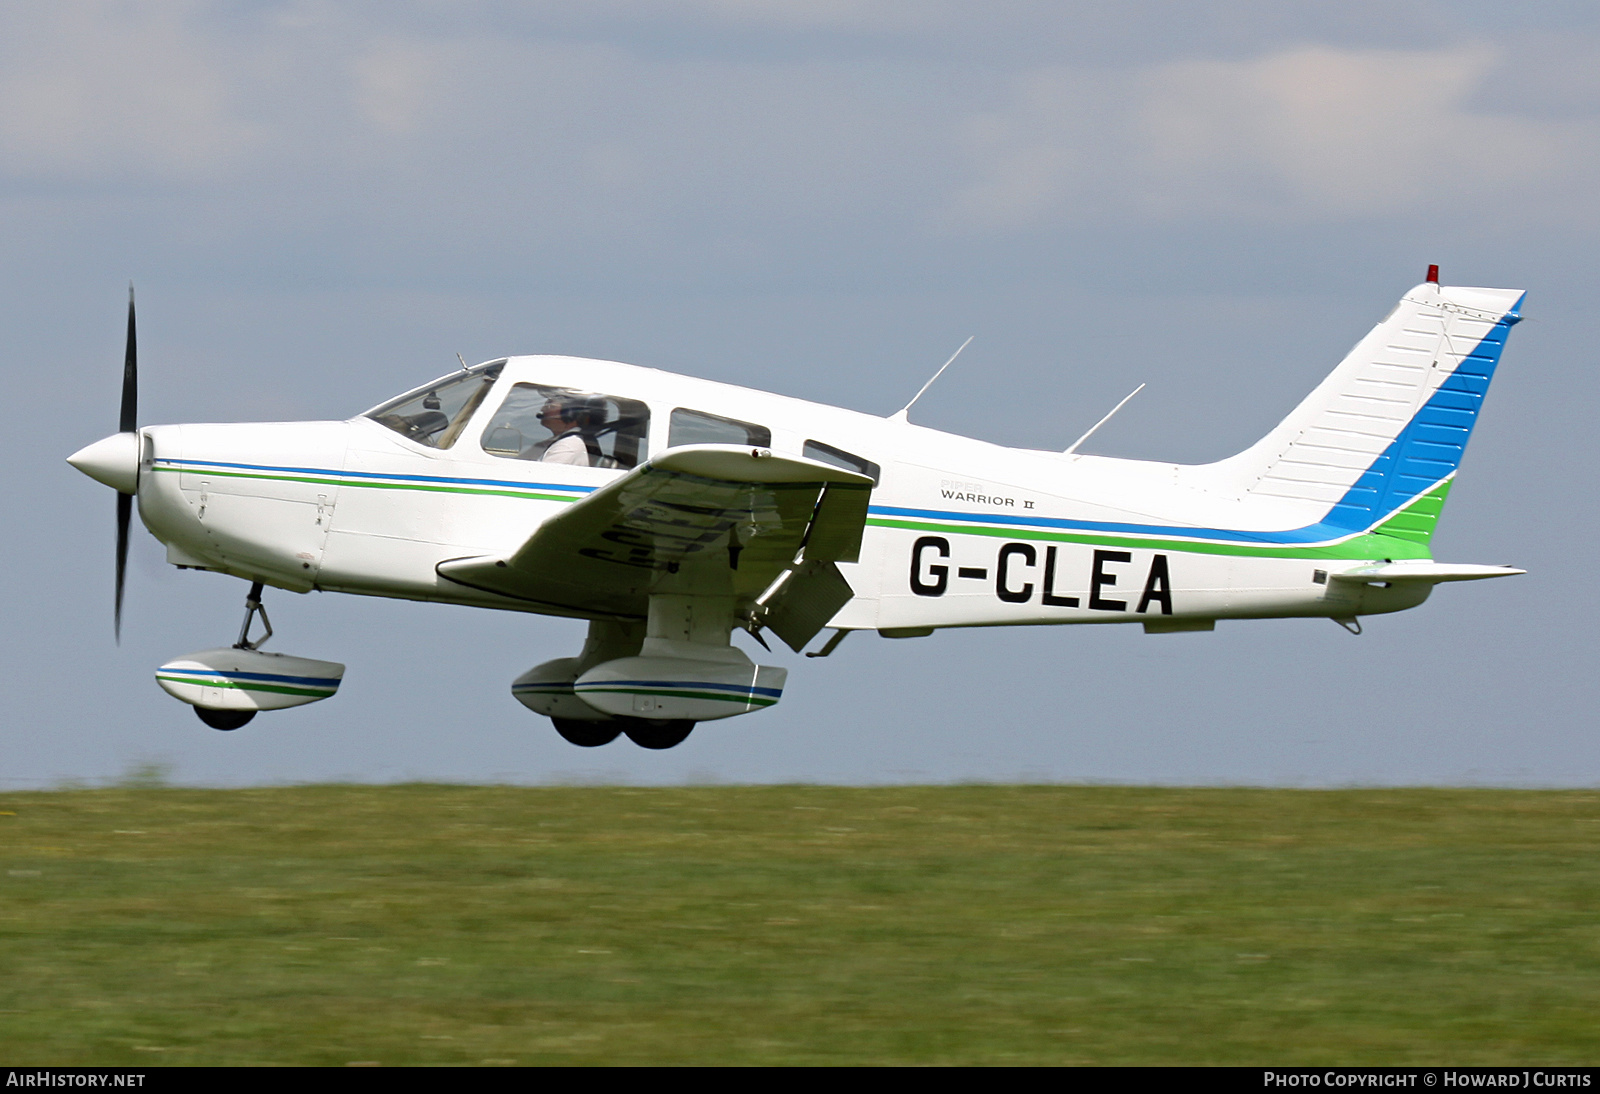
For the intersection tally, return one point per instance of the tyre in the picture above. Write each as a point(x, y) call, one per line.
point(652, 734)
point(224, 719)
point(586, 734)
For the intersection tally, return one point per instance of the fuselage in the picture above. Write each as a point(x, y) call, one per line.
point(960, 532)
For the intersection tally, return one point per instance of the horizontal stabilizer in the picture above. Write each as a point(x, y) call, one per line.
point(1431, 572)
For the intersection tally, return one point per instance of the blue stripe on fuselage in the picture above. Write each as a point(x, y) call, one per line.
point(330, 473)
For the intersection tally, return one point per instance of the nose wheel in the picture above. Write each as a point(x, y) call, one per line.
point(224, 719)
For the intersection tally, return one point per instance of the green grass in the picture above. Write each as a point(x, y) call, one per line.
point(977, 924)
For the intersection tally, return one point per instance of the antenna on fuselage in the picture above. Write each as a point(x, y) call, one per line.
point(463, 361)
point(900, 415)
point(1073, 447)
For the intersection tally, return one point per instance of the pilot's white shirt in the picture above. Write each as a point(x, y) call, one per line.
point(567, 448)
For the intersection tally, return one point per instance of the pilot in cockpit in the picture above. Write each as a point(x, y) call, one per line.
point(571, 422)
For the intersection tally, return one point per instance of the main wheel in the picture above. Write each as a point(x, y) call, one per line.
point(224, 719)
point(652, 734)
point(586, 734)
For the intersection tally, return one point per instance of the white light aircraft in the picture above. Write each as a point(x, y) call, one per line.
point(670, 511)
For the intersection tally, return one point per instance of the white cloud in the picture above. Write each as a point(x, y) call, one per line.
point(345, 123)
point(899, 15)
point(87, 88)
point(397, 83)
point(1341, 132)
point(1309, 132)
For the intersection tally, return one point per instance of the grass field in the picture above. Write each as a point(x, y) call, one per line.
point(940, 925)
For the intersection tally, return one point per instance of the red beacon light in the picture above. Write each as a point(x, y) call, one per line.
point(1433, 275)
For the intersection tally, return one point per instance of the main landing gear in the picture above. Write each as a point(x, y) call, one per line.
point(645, 733)
point(652, 680)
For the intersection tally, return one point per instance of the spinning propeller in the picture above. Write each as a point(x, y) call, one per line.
point(127, 423)
point(114, 460)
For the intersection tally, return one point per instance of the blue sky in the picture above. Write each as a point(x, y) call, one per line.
point(323, 203)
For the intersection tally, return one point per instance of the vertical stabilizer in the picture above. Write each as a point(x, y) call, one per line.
point(1379, 440)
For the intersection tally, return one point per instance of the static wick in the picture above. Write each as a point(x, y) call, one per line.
point(900, 415)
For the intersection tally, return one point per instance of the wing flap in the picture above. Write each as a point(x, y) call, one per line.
point(836, 528)
point(808, 597)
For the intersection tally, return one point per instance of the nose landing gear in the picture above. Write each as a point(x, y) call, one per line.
point(252, 608)
point(233, 719)
point(227, 687)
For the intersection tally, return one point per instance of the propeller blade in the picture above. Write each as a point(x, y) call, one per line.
point(124, 518)
point(130, 375)
point(128, 422)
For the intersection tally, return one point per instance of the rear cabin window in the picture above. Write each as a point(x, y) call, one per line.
point(436, 415)
point(826, 453)
point(564, 425)
point(698, 427)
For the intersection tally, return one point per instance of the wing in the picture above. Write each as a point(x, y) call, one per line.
point(700, 520)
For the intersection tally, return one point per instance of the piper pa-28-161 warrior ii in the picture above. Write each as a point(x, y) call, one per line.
point(670, 511)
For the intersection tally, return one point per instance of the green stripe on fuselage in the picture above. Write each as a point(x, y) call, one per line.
point(427, 487)
point(1402, 536)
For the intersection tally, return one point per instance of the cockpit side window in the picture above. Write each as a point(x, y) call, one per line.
point(436, 415)
point(698, 427)
point(563, 425)
point(826, 453)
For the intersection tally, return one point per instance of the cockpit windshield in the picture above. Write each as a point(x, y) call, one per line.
point(435, 415)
